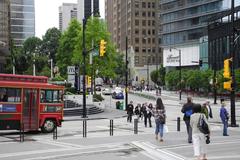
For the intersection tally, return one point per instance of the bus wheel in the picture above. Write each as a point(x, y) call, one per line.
point(48, 126)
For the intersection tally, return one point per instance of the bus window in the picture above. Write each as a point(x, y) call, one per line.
point(10, 95)
point(50, 96)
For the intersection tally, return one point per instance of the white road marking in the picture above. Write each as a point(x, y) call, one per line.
point(157, 153)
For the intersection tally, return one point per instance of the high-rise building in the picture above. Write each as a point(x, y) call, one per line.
point(67, 12)
point(182, 23)
point(22, 20)
point(136, 20)
point(86, 8)
point(4, 32)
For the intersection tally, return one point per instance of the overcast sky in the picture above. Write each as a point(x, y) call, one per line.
point(47, 14)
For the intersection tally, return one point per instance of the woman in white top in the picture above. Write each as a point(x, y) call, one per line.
point(199, 139)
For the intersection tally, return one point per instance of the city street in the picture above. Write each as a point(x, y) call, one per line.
point(124, 144)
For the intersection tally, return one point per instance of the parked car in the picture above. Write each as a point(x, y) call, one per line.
point(106, 91)
point(117, 95)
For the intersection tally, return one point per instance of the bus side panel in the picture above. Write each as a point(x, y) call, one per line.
point(10, 116)
point(10, 121)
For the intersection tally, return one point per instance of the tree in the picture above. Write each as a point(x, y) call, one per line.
point(158, 76)
point(50, 43)
point(68, 41)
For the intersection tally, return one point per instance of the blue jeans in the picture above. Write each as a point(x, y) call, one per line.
point(225, 126)
point(159, 128)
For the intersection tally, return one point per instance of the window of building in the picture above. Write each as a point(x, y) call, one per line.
point(153, 50)
point(153, 40)
point(153, 5)
point(149, 40)
point(149, 22)
point(153, 31)
point(144, 32)
point(136, 22)
point(144, 50)
point(143, 4)
point(144, 59)
point(136, 4)
point(149, 32)
point(144, 40)
point(136, 31)
point(136, 13)
point(149, 14)
point(144, 22)
point(144, 14)
point(149, 4)
point(153, 14)
point(137, 49)
point(136, 40)
point(153, 23)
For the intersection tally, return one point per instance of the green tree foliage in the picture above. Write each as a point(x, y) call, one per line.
point(68, 41)
point(158, 76)
point(95, 31)
point(50, 43)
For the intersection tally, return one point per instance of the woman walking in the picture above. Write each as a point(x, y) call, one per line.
point(160, 119)
point(199, 139)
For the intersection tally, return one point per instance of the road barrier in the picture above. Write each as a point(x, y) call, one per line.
point(135, 126)
point(111, 127)
point(84, 128)
point(178, 123)
point(55, 133)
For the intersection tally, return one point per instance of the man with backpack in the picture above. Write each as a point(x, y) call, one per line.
point(187, 109)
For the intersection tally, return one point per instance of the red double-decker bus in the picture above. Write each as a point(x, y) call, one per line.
point(30, 102)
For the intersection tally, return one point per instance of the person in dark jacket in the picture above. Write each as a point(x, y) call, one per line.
point(187, 109)
point(224, 117)
point(130, 108)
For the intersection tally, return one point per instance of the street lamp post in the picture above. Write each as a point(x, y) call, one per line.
point(84, 53)
point(84, 69)
point(180, 71)
point(232, 97)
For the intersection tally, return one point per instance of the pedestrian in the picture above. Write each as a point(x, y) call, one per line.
point(145, 113)
point(142, 111)
point(199, 138)
point(224, 117)
point(209, 109)
point(137, 110)
point(130, 111)
point(149, 114)
point(187, 110)
point(160, 119)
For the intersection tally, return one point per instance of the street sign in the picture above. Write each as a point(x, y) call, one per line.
point(71, 70)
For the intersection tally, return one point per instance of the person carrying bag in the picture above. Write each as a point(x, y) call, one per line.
point(200, 132)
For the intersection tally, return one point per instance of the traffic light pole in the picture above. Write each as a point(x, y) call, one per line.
point(126, 75)
point(232, 97)
point(84, 70)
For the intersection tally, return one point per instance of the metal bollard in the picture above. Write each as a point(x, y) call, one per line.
point(136, 126)
point(84, 128)
point(111, 127)
point(21, 132)
point(55, 134)
point(178, 123)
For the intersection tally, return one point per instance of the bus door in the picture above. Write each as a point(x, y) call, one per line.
point(30, 109)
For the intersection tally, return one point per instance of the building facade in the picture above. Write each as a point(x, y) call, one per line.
point(22, 20)
point(86, 8)
point(4, 32)
point(67, 12)
point(182, 24)
point(137, 21)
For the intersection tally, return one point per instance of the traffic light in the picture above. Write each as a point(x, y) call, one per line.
point(89, 80)
point(227, 74)
point(226, 69)
point(227, 85)
point(102, 49)
point(200, 63)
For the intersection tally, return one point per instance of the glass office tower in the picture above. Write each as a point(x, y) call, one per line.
point(22, 20)
point(183, 23)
